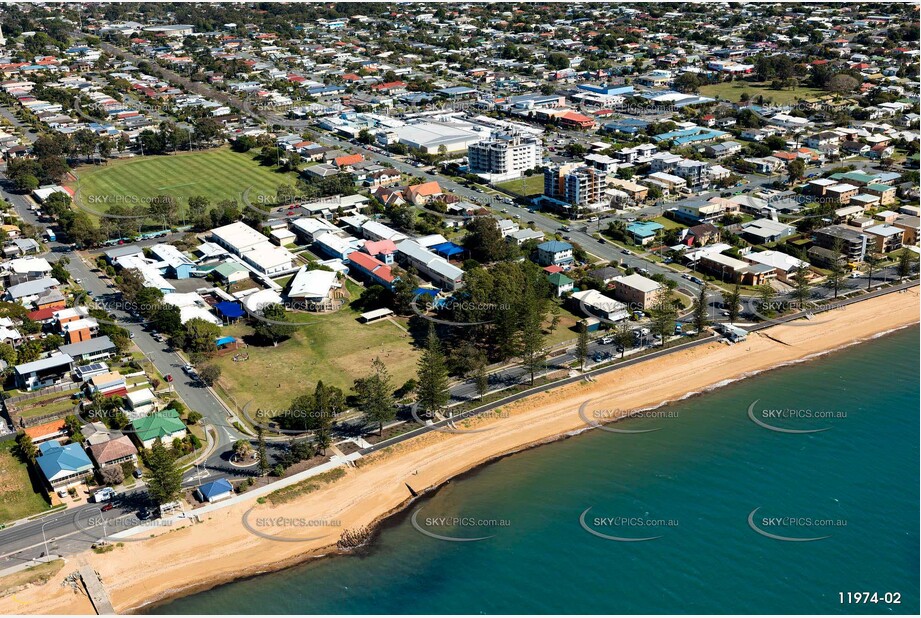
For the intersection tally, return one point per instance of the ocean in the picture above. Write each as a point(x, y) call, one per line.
point(727, 507)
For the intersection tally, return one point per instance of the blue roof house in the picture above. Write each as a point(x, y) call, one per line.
point(63, 466)
point(644, 232)
point(220, 489)
point(555, 253)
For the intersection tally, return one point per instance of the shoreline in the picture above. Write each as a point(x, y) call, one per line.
point(368, 496)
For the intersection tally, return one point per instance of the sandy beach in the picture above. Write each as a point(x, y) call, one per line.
point(221, 548)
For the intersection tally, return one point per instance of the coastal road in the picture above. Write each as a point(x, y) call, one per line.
point(446, 424)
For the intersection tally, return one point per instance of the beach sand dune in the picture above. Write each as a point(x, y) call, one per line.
point(221, 548)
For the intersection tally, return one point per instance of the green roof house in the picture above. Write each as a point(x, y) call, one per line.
point(164, 424)
point(561, 283)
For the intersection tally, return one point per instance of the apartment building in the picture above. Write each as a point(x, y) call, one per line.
point(504, 155)
point(574, 184)
point(853, 243)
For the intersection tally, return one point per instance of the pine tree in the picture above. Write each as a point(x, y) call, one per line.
point(582, 346)
point(164, 480)
point(375, 395)
point(731, 302)
point(432, 389)
point(263, 456)
point(481, 380)
point(701, 321)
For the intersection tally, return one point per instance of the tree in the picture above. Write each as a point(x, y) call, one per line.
point(871, 259)
point(481, 380)
point(836, 269)
point(842, 83)
point(664, 314)
point(260, 449)
point(26, 183)
point(623, 337)
point(199, 336)
point(112, 475)
point(167, 319)
point(731, 301)
point(25, 448)
point(210, 374)
point(164, 480)
point(8, 355)
point(432, 388)
point(701, 320)
point(531, 342)
point(558, 61)
point(795, 170)
point(273, 327)
point(484, 240)
point(582, 346)
point(802, 288)
point(375, 395)
point(766, 294)
point(906, 263)
point(242, 448)
point(404, 292)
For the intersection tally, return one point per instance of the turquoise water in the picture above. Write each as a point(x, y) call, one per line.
point(697, 479)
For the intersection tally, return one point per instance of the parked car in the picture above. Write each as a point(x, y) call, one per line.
point(607, 339)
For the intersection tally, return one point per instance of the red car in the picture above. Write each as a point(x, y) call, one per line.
point(107, 507)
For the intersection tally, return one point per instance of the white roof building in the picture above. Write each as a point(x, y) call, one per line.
point(237, 237)
point(313, 285)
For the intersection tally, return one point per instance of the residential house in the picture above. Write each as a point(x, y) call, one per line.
point(422, 194)
point(555, 252)
point(63, 466)
point(165, 425)
point(594, 303)
point(561, 283)
point(644, 232)
point(784, 265)
point(761, 231)
point(43, 372)
point(114, 452)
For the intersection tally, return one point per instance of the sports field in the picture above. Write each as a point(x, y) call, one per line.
point(216, 174)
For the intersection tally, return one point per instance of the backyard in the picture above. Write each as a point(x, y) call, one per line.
point(18, 498)
point(218, 174)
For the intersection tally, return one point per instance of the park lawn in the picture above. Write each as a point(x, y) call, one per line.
point(334, 348)
point(218, 174)
point(731, 91)
point(525, 186)
point(18, 499)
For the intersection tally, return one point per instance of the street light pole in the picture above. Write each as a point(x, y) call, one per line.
point(44, 539)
